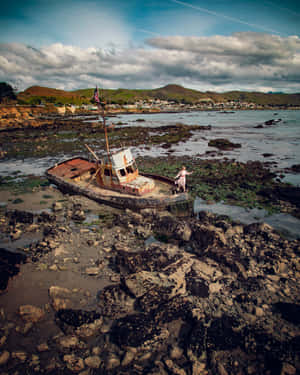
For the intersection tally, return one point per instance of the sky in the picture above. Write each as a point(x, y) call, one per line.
point(214, 45)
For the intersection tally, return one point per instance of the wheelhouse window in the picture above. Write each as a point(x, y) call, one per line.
point(106, 172)
point(122, 172)
point(129, 169)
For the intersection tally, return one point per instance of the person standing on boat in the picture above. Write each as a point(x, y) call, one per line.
point(181, 178)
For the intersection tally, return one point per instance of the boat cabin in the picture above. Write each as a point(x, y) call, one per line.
point(118, 172)
point(121, 173)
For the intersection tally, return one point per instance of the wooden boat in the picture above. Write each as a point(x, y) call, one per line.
point(115, 180)
point(78, 176)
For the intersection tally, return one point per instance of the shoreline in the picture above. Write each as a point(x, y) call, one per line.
point(36, 117)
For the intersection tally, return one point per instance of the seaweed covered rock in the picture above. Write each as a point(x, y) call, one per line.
point(156, 257)
point(114, 301)
point(134, 330)
point(172, 227)
point(76, 318)
point(19, 216)
point(223, 144)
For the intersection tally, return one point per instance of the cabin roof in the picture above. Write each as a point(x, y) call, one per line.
point(121, 159)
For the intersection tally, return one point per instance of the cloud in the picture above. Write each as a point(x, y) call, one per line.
point(242, 61)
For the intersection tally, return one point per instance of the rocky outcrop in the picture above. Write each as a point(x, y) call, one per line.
point(14, 117)
point(204, 296)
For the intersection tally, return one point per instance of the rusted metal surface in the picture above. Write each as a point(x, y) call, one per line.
point(73, 168)
point(126, 180)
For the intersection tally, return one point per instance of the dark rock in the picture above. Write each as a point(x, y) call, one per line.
point(295, 168)
point(78, 215)
point(267, 155)
point(76, 318)
point(152, 259)
point(221, 334)
point(289, 311)
point(155, 297)
point(50, 230)
point(223, 144)
point(175, 308)
point(196, 286)
point(288, 193)
point(203, 238)
point(272, 122)
point(270, 350)
point(9, 262)
point(46, 217)
point(114, 301)
point(17, 216)
point(171, 227)
point(133, 330)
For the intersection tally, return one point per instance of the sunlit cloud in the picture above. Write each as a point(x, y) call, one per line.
point(242, 61)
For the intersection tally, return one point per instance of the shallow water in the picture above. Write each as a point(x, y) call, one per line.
point(281, 141)
point(286, 224)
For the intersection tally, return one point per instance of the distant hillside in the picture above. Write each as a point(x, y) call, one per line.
point(175, 93)
point(45, 91)
point(39, 94)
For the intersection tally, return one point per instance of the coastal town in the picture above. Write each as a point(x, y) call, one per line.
point(207, 104)
point(158, 105)
point(167, 99)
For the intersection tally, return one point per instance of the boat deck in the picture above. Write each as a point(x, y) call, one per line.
point(80, 171)
point(161, 190)
point(72, 168)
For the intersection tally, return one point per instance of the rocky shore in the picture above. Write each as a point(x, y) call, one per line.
point(88, 289)
point(102, 291)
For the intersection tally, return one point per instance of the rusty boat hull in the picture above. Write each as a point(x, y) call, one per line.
point(77, 176)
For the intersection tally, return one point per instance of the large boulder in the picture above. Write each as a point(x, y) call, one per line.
point(134, 330)
point(115, 302)
point(155, 258)
point(171, 227)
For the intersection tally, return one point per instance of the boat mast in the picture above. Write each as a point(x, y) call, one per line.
point(101, 108)
point(105, 131)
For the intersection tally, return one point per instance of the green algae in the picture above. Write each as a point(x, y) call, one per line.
point(230, 182)
point(70, 139)
point(23, 184)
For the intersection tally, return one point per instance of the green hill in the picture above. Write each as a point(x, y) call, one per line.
point(175, 93)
